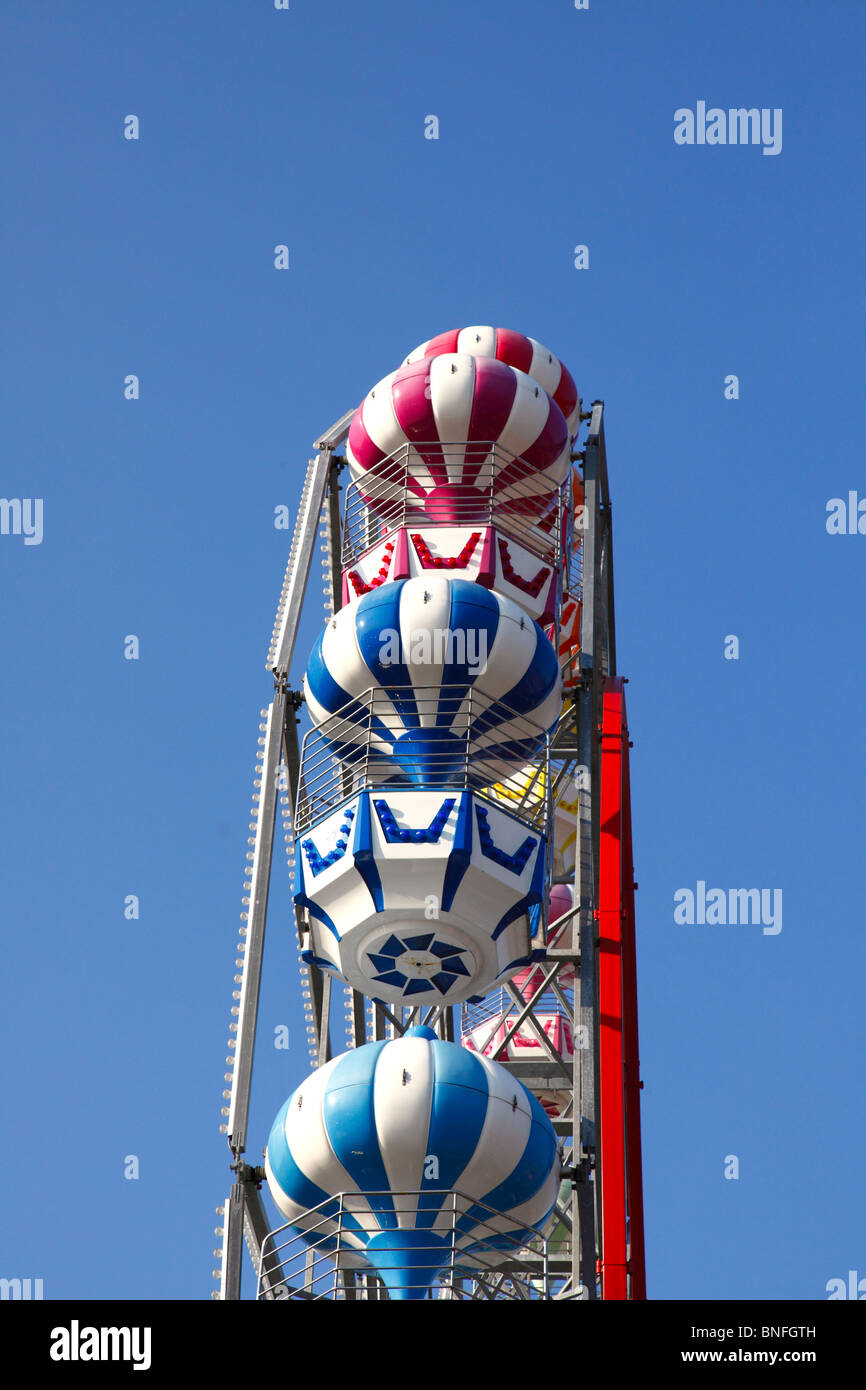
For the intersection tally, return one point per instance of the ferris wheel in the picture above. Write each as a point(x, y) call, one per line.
point(458, 831)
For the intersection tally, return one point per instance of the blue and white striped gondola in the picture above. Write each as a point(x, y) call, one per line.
point(417, 886)
point(457, 671)
point(400, 1127)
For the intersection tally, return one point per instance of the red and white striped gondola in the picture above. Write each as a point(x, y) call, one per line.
point(512, 449)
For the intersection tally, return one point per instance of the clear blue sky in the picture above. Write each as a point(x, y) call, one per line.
point(155, 257)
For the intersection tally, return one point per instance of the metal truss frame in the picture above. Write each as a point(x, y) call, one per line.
point(605, 1210)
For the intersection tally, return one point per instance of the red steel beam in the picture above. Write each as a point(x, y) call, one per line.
point(614, 1272)
point(619, 1084)
point(631, 1058)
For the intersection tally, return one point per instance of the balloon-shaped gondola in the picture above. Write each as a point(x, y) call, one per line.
point(456, 440)
point(456, 671)
point(411, 1156)
point(416, 882)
